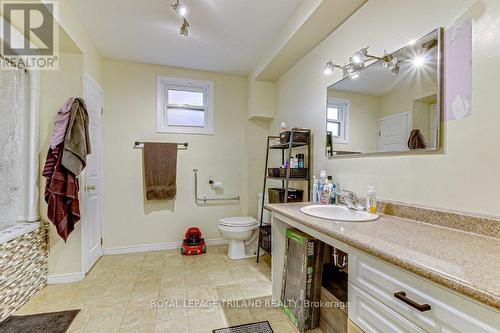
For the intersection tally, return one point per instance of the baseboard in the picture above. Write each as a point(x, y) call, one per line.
point(65, 278)
point(156, 247)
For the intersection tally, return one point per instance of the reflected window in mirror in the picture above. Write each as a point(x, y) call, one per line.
point(337, 115)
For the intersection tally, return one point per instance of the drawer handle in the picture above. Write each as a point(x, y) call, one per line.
point(401, 295)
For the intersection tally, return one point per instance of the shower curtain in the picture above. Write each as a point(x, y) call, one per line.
point(14, 146)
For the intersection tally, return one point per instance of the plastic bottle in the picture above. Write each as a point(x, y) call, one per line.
point(333, 194)
point(371, 199)
point(325, 194)
point(314, 194)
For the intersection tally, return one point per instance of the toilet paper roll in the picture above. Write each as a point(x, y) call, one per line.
point(217, 184)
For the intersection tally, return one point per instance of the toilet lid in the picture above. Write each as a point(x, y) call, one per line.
point(238, 221)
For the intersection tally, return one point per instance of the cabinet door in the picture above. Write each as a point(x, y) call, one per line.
point(374, 317)
point(447, 311)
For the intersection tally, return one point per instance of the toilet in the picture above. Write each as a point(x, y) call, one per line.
point(239, 231)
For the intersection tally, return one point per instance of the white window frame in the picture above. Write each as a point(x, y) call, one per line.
point(207, 87)
point(343, 105)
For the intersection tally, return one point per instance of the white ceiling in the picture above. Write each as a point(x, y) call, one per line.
point(226, 36)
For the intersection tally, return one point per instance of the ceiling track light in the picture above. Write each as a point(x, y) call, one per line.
point(181, 10)
point(358, 61)
point(184, 31)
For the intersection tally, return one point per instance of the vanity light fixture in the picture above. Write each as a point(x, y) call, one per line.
point(358, 61)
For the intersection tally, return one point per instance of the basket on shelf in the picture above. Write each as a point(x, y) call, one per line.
point(294, 172)
point(273, 172)
point(265, 236)
point(277, 195)
point(299, 136)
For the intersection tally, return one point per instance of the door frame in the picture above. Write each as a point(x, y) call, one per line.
point(84, 232)
point(409, 124)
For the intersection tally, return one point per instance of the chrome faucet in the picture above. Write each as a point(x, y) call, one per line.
point(352, 202)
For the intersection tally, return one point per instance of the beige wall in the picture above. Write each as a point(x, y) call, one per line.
point(130, 115)
point(55, 88)
point(467, 165)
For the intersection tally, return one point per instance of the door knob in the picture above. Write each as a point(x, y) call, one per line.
point(90, 187)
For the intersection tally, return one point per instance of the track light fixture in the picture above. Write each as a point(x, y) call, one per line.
point(184, 28)
point(181, 10)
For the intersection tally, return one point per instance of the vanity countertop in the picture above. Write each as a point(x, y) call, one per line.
point(462, 261)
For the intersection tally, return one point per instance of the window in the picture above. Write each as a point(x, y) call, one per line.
point(184, 106)
point(337, 116)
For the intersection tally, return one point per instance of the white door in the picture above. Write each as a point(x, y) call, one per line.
point(393, 132)
point(93, 194)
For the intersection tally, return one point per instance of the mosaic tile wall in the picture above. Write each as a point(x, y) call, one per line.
point(23, 269)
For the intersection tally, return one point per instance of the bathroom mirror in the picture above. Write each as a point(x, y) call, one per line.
point(392, 105)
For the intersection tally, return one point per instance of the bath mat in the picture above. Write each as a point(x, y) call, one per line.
point(53, 322)
point(260, 327)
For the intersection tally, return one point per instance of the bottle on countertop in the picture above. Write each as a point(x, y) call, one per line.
point(371, 199)
point(333, 194)
point(314, 194)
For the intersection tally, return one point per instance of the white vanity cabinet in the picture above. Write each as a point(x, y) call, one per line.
point(384, 298)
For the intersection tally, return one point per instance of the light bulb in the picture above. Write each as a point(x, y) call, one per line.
point(355, 76)
point(418, 61)
point(328, 70)
point(182, 10)
point(357, 58)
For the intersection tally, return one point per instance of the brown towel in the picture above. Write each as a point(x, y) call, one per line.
point(77, 140)
point(61, 193)
point(416, 140)
point(160, 170)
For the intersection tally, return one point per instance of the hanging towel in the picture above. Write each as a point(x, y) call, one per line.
point(77, 140)
point(416, 140)
point(61, 123)
point(61, 193)
point(160, 170)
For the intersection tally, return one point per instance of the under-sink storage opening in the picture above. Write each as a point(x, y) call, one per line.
point(334, 291)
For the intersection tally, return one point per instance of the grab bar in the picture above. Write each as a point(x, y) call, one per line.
point(205, 199)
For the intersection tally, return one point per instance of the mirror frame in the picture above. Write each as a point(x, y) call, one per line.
point(440, 102)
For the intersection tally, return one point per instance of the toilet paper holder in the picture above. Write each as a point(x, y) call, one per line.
point(213, 184)
point(205, 199)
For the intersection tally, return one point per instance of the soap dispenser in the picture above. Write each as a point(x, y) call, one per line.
point(371, 199)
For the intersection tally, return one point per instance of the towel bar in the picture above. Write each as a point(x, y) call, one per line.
point(180, 146)
point(205, 199)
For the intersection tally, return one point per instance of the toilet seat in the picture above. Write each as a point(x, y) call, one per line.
point(238, 222)
point(237, 228)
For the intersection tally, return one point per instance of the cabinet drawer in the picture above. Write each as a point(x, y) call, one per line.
point(445, 312)
point(372, 316)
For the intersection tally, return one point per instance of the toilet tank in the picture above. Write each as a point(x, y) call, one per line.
point(267, 214)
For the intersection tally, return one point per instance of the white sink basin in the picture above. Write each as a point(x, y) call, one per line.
point(338, 213)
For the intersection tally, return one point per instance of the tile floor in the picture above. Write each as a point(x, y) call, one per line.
point(117, 294)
